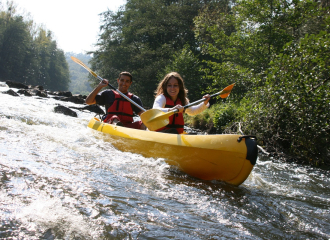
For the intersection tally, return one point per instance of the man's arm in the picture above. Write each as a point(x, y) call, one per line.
point(137, 100)
point(91, 97)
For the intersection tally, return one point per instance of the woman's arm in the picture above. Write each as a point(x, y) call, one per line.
point(194, 110)
point(160, 103)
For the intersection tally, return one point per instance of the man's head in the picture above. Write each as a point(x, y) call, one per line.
point(124, 81)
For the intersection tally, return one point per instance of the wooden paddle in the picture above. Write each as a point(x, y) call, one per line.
point(154, 119)
point(95, 75)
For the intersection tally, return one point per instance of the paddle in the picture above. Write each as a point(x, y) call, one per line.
point(95, 75)
point(154, 119)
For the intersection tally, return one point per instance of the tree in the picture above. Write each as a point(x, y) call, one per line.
point(225, 48)
point(277, 52)
point(28, 55)
point(295, 113)
point(242, 41)
point(14, 46)
point(189, 67)
point(58, 70)
point(142, 40)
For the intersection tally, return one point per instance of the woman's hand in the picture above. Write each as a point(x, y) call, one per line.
point(207, 98)
point(179, 107)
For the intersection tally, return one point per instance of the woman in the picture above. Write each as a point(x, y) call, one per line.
point(171, 94)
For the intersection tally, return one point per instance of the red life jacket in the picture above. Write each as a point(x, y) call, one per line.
point(176, 120)
point(121, 108)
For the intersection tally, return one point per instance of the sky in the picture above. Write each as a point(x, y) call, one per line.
point(74, 23)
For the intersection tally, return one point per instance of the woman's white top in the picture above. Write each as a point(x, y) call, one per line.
point(160, 103)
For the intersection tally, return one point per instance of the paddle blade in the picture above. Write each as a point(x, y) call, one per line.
point(84, 66)
point(155, 119)
point(226, 91)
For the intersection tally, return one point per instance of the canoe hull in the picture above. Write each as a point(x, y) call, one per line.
point(207, 157)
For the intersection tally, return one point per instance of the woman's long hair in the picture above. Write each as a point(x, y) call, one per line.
point(162, 87)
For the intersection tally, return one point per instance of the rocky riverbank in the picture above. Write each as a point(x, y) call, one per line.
point(66, 96)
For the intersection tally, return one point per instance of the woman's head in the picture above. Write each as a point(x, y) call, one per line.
point(172, 86)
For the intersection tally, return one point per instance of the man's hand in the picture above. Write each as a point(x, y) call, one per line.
point(91, 97)
point(103, 83)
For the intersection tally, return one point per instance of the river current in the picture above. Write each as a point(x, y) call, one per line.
point(62, 180)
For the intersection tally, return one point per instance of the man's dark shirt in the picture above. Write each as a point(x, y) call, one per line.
point(107, 97)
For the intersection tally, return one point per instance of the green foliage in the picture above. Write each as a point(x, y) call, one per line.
point(189, 67)
point(30, 55)
point(230, 51)
point(224, 74)
point(142, 39)
point(15, 43)
point(219, 118)
point(225, 115)
point(202, 121)
point(242, 41)
point(277, 53)
point(294, 104)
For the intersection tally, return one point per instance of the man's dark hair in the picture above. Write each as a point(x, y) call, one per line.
point(126, 74)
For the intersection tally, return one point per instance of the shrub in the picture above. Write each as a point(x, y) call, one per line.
point(291, 110)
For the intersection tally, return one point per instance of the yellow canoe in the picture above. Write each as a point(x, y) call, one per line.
point(225, 157)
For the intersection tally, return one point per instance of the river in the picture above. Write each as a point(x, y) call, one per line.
point(62, 180)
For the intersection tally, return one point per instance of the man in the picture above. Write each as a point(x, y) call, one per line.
point(119, 110)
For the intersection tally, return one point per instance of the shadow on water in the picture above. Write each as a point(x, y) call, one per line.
point(177, 176)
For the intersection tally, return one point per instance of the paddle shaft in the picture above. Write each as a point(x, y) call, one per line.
point(198, 101)
point(201, 100)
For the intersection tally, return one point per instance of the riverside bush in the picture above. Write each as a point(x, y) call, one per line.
point(219, 118)
point(291, 111)
point(202, 121)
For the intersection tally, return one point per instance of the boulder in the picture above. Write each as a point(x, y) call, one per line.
point(79, 95)
point(12, 84)
point(39, 93)
point(24, 92)
point(92, 108)
point(65, 111)
point(33, 92)
point(39, 87)
point(11, 92)
point(77, 100)
point(63, 93)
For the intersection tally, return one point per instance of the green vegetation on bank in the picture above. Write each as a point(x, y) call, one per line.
point(276, 51)
point(28, 54)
